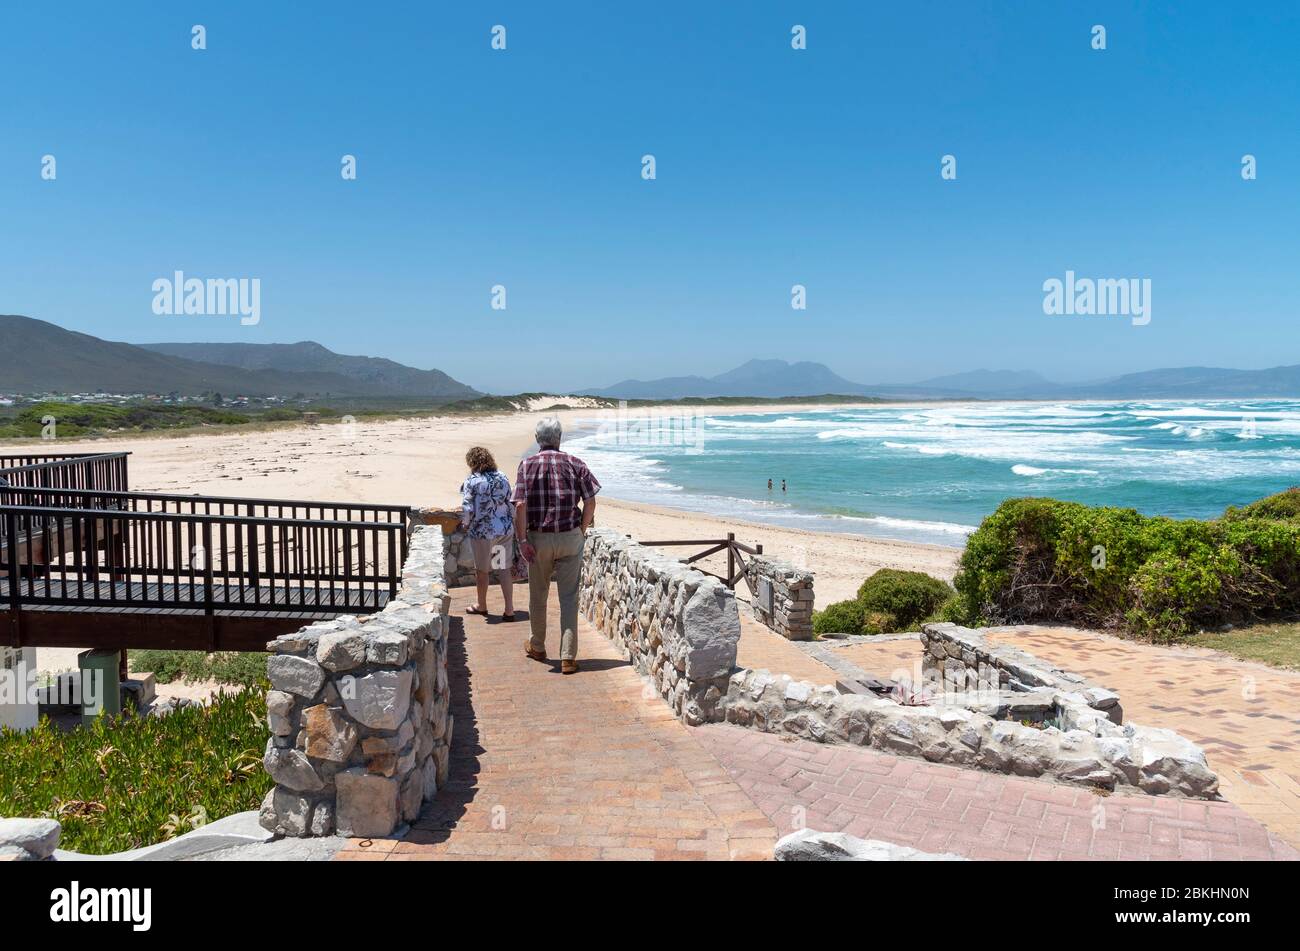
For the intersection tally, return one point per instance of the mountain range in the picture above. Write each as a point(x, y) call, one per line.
point(40, 357)
point(773, 378)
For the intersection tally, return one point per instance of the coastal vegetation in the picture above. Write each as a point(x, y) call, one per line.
point(93, 419)
point(129, 781)
point(1161, 579)
point(889, 600)
point(236, 668)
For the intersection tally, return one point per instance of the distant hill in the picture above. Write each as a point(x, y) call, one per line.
point(765, 378)
point(988, 381)
point(377, 375)
point(39, 357)
point(768, 378)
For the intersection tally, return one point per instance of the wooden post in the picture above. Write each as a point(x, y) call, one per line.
point(731, 558)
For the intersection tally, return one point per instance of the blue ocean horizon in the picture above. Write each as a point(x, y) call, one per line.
point(931, 472)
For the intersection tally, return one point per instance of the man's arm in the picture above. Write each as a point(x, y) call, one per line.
point(521, 521)
point(588, 513)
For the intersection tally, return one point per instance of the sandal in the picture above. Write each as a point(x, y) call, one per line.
point(508, 617)
point(475, 610)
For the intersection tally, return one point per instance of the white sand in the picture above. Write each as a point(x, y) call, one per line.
point(422, 462)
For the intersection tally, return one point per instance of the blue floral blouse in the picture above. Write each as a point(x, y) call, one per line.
point(486, 506)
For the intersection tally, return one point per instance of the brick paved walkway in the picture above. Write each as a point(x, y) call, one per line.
point(936, 808)
point(590, 766)
point(547, 766)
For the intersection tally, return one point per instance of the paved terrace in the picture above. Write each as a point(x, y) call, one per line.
point(589, 766)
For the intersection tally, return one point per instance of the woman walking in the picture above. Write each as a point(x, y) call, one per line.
point(487, 518)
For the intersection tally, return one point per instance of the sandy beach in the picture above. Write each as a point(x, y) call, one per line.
point(421, 462)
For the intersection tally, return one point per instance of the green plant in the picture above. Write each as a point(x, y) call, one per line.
point(841, 617)
point(240, 668)
point(126, 781)
point(901, 599)
point(1283, 505)
point(1047, 560)
point(878, 622)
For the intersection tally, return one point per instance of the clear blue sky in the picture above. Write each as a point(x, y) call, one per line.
point(775, 167)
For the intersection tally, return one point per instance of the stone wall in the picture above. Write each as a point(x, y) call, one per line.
point(678, 626)
point(791, 601)
point(458, 556)
point(961, 659)
point(1086, 748)
point(359, 710)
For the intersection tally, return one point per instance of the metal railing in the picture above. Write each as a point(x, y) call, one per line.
point(165, 560)
point(99, 472)
point(105, 471)
point(736, 552)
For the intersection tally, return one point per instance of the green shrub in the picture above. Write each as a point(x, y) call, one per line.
point(1284, 505)
point(905, 598)
point(239, 668)
point(953, 610)
point(841, 617)
point(1046, 560)
point(878, 622)
point(128, 781)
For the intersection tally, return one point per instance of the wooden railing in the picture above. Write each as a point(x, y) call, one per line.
point(163, 560)
point(736, 552)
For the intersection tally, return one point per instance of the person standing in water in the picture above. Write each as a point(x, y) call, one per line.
point(769, 485)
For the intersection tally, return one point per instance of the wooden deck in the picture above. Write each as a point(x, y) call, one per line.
point(84, 562)
point(169, 616)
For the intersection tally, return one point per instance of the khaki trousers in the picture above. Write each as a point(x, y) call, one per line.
point(559, 556)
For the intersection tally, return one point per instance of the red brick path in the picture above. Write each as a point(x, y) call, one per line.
point(979, 815)
point(585, 766)
point(590, 766)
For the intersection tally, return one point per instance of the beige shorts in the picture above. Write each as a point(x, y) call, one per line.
point(492, 554)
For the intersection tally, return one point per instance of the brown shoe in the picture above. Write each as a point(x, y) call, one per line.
point(568, 666)
point(534, 654)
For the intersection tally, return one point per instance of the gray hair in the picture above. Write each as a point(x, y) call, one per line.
point(548, 432)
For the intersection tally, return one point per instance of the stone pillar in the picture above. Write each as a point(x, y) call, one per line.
point(458, 557)
point(790, 613)
point(359, 711)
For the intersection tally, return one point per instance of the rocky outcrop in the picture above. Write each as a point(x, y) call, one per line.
point(678, 626)
point(359, 710)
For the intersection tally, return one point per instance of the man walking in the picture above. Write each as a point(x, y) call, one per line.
point(550, 529)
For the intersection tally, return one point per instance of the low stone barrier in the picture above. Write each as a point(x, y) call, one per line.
point(359, 710)
point(678, 626)
point(997, 709)
point(781, 597)
point(1086, 748)
point(962, 660)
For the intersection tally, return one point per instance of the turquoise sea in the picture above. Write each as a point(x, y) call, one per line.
point(931, 472)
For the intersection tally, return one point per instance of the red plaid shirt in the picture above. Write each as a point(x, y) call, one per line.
point(552, 483)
